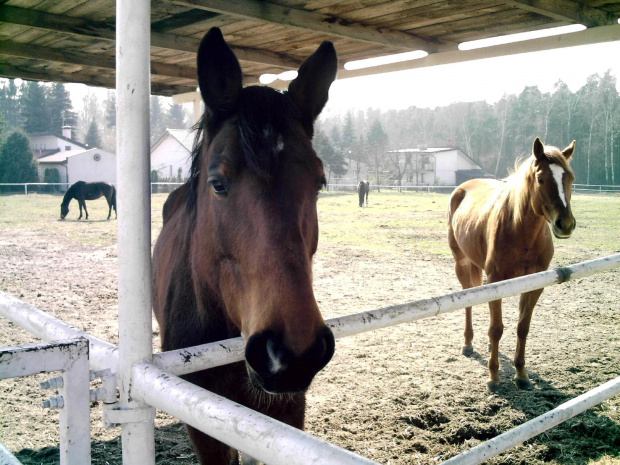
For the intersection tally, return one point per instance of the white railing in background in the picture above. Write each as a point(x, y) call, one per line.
point(337, 187)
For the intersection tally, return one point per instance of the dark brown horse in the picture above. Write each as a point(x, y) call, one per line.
point(501, 228)
point(234, 256)
point(83, 191)
point(363, 188)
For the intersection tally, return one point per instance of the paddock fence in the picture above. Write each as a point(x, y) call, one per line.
point(166, 187)
point(157, 384)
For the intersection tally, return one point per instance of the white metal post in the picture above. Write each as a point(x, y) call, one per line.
point(71, 357)
point(133, 25)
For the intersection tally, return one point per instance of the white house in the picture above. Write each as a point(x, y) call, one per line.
point(81, 165)
point(48, 143)
point(441, 166)
point(171, 154)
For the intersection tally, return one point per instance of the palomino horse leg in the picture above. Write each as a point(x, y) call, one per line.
point(496, 329)
point(526, 307)
point(469, 275)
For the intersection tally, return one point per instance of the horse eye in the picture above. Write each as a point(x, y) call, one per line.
point(218, 187)
point(541, 181)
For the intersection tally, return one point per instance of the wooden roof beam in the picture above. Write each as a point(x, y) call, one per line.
point(106, 31)
point(10, 71)
point(567, 11)
point(315, 22)
point(78, 58)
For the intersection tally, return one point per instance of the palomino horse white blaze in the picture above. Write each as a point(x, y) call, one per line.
point(500, 227)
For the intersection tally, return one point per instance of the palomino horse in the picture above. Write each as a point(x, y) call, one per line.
point(363, 188)
point(501, 228)
point(234, 256)
point(83, 191)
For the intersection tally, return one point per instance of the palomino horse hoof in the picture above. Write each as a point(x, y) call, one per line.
point(467, 351)
point(493, 386)
point(523, 383)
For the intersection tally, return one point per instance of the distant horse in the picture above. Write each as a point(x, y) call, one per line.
point(234, 256)
point(363, 188)
point(82, 191)
point(501, 228)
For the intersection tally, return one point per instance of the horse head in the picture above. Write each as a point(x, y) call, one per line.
point(553, 186)
point(255, 181)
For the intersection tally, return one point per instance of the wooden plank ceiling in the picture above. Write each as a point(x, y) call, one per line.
point(73, 40)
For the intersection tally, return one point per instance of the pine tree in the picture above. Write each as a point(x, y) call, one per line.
point(17, 161)
point(9, 106)
point(34, 108)
point(60, 108)
point(110, 110)
point(377, 142)
point(176, 117)
point(333, 160)
point(92, 136)
point(158, 119)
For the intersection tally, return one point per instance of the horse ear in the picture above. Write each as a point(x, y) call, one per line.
point(539, 150)
point(568, 151)
point(310, 89)
point(219, 74)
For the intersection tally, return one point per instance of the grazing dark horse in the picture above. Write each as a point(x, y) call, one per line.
point(234, 256)
point(501, 228)
point(363, 188)
point(83, 191)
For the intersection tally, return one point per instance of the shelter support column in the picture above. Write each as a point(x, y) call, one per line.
point(134, 222)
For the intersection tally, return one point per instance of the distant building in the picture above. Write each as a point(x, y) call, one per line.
point(440, 166)
point(80, 165)
point(171, 154)
point(63, 159)
point(48, 143)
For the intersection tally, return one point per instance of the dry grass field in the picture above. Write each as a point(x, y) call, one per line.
point(401, 395)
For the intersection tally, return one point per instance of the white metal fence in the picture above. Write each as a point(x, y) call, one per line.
point(139, 379)
point(268, 440)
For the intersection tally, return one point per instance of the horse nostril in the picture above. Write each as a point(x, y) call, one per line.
point(274, 367)
point(558, 223)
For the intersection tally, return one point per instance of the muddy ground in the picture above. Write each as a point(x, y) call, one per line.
point(401, 395)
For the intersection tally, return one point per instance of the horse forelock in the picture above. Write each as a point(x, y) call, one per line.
point(556, 157)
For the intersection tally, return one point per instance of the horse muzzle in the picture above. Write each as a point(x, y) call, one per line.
point(274, 368)
point(563, 227)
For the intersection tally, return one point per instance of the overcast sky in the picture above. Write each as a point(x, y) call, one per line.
point(487, 79)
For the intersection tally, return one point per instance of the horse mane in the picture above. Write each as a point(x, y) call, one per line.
point(263, 115)
point(519, 181)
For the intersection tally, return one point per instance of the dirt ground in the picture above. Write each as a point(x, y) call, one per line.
point(401, 395)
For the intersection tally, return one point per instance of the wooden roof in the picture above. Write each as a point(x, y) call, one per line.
point(74, 40)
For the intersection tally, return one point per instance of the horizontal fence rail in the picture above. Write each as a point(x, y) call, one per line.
point(102, 354)
point(184, 361)
point(537, 425)
point(257, 435)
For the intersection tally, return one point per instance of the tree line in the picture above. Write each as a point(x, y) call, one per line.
point(494, 135)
